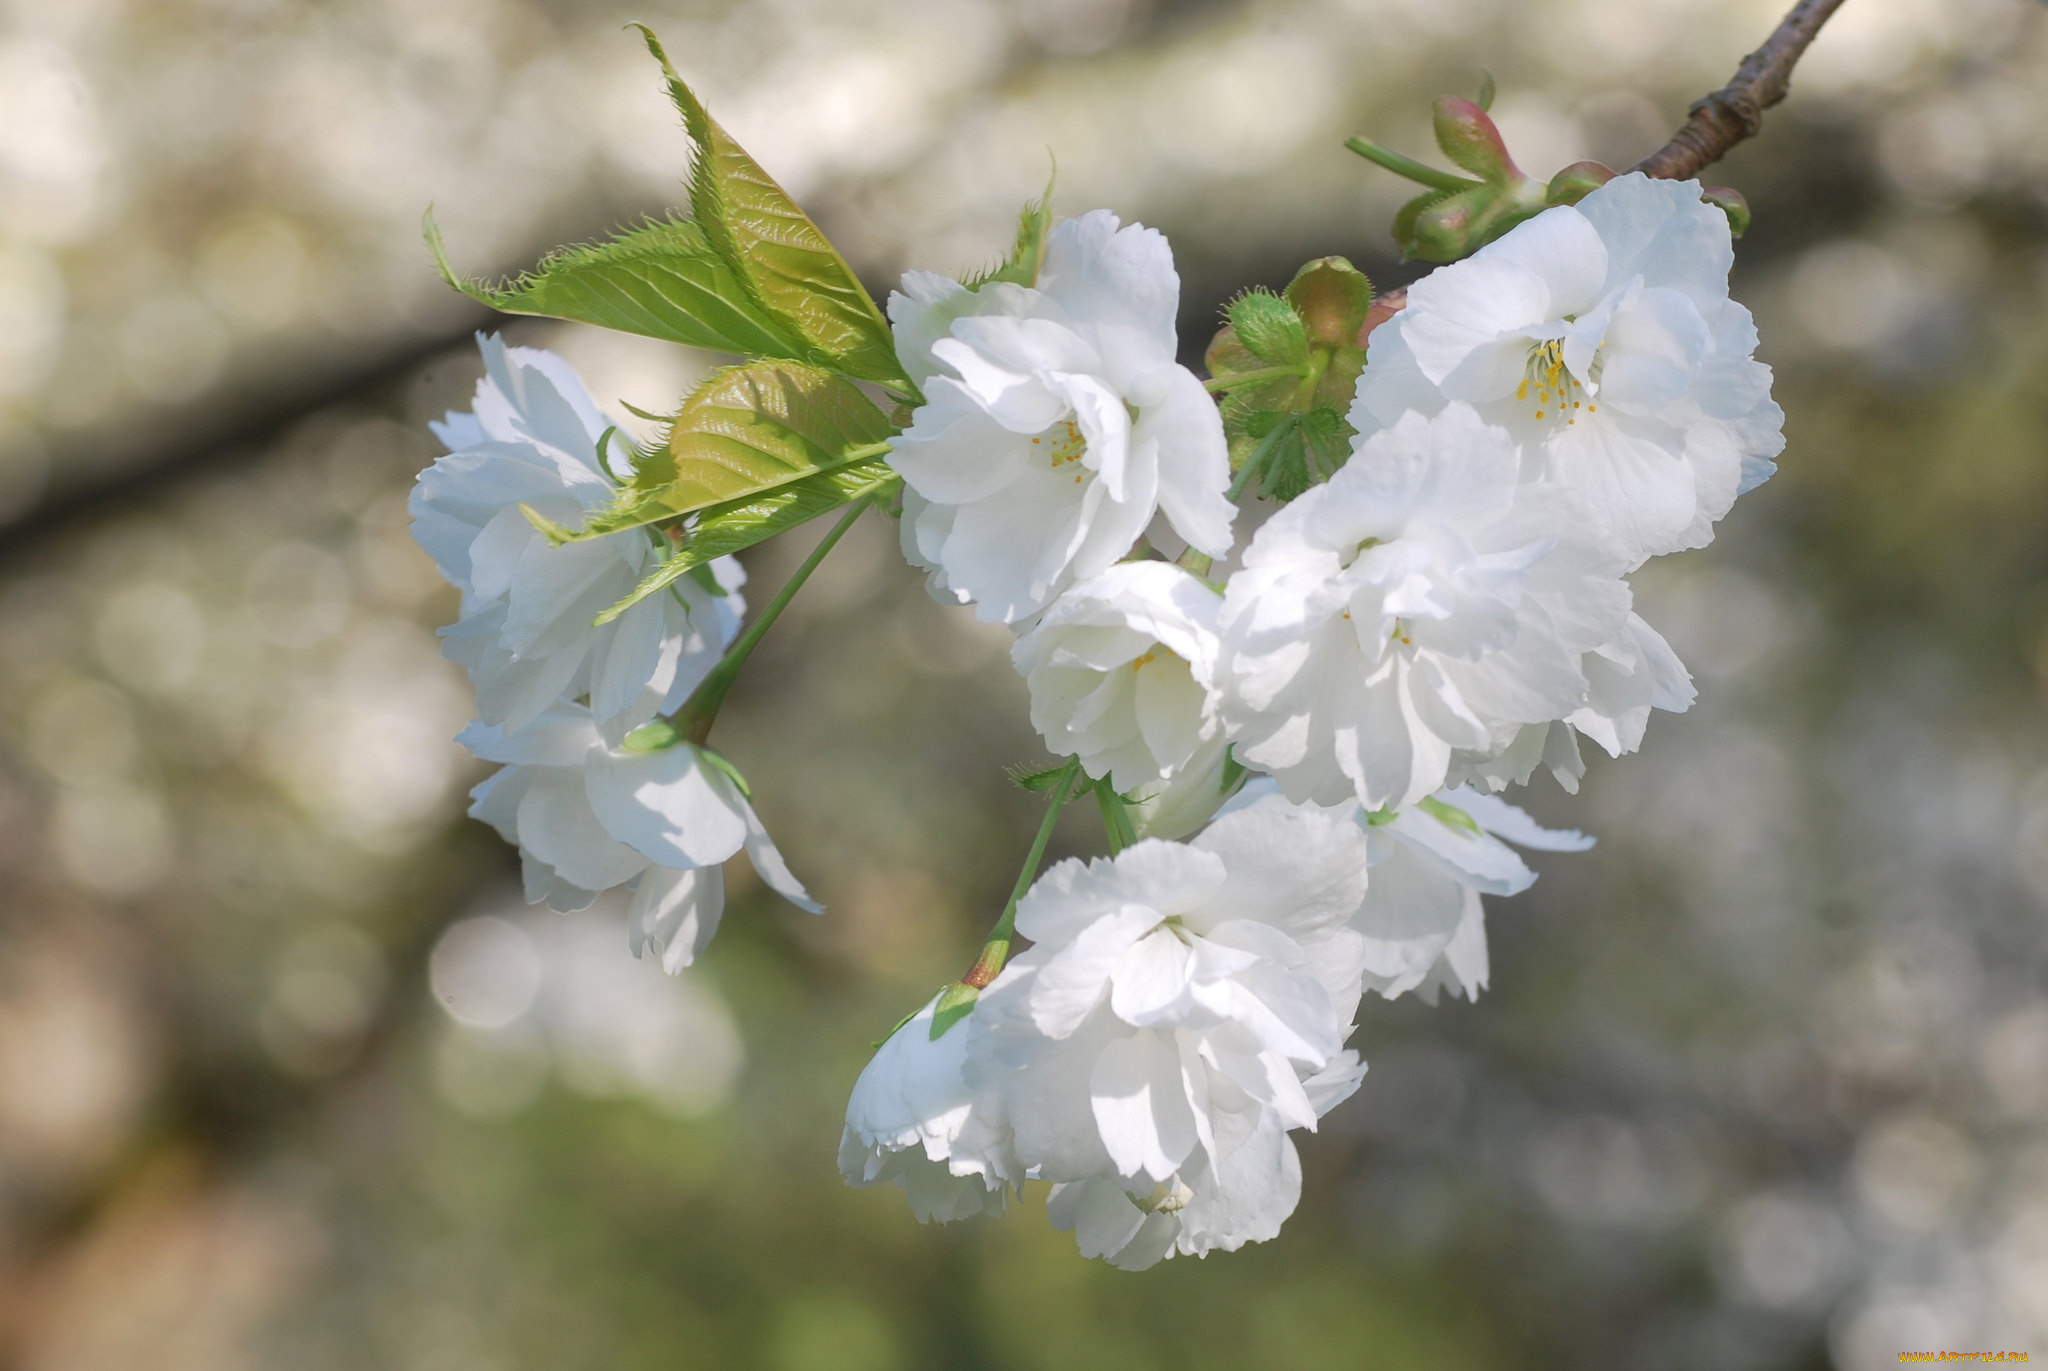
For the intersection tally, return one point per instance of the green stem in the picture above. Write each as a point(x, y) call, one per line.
point(1408, 166)
point(1318, 364)
point(1264, 450)
point(1232, 380)
point(693, 721)
point(1116, 820)
point(996, 950)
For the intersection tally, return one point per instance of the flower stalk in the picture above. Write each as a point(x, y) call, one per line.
point(693, 721)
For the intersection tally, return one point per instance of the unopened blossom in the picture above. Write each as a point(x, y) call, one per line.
point(1057, 422)
point(525, 633)
point(914, 1119)
point(1423, 601)
point(1626, 678)
point(1181, 1003)
point(1602, 337)
point(1119, 669)
point(588, 816)
point(1181, 804)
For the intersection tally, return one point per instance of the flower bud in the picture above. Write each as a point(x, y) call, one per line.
point(1730, 203)
point(1269, 328)
point(1332, 298)
point(1576, 182)
point(1469, 138)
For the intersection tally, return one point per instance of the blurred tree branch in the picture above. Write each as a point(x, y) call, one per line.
point(1719, 121)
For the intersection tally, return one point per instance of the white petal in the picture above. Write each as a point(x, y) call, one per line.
point(1141, 1106)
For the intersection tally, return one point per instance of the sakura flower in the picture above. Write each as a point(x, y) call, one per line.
point(1626, 678)
point(1424, 600)
point(1423, 924)
point(525, 632)
point(1057, 421)
point(1119, 670)
point(1420, 914)
point(1602, 337)
point(1175, 997)
point(915, 1120)
point(1240, 1193)
point(587, 816)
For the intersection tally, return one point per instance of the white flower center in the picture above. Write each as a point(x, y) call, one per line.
point(1559, 394)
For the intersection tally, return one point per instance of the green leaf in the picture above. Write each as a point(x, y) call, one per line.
point(740, 524)
point(661, 280)
point(746, 430)
point(793, 271)
point(1269, 328)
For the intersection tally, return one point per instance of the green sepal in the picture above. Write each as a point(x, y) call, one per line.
point(1269, 328)
point(719, 763)
point(956, 1002)
point(739, 524)
point(1380, 818)
point(748, 429)
point(657, 735)
point(1116, 819)
point(1037, 780)
point(792, 270)
point(1027, 256)
point(1449, 815)
point(660, 280)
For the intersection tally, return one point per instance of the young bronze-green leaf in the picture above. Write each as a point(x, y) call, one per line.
point(739, 524)
point(749, 429)
point(793, 270)
point(661, 280)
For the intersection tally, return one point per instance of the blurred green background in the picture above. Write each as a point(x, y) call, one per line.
point(290, 1078)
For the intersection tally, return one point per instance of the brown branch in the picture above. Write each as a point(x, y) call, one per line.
point(1736, 111)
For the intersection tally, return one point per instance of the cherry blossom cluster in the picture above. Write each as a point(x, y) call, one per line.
point(1298, 730)
point(1311, 723)
point(592, 787)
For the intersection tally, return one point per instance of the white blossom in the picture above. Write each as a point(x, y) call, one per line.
point(1626, 678)
point(1239, 1192)
point(1119, 669)
point(1602, 337)
point(1181, 1008)
point(914, 1119)
point(1420, 914)
point(525, 633)
point(1056, 422)
point(587, 816)
point(1424, 600)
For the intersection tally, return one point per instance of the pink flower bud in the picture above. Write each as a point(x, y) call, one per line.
point(1469, 138)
